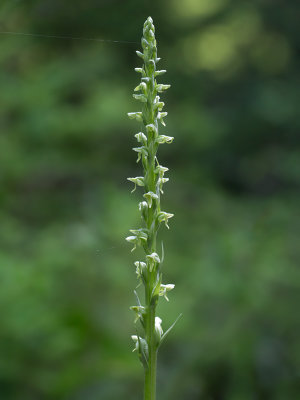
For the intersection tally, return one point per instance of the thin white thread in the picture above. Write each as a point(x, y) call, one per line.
point(66, 37)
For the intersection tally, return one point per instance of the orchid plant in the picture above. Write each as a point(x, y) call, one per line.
point(149, 333)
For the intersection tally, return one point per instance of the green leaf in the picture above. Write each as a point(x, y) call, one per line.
point(171, 327)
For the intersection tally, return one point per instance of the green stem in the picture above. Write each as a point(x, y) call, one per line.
point(150, 371)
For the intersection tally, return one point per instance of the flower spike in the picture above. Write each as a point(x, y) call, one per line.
point(149, 333)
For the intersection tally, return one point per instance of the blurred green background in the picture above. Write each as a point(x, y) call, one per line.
point(66, 272)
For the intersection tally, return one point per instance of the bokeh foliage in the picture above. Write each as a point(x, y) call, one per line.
point(65, 270)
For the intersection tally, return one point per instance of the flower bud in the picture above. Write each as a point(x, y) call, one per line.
point(145, 44)
point(158, 330)
point(141, 269)
point(140, 97)
point(151, 33)
point(135, 339)
point(151, 130)
point(164, 139)
point(140, 344)
point(141, 55)
point(161, 72)
point(143, 207)
point(142, 347)
point(136, 115)
point(149, 196)
point(148, 27)
point(142, 86)
point(139, 70)
point(159, 105)
point(153, 259)
point(160, 87)
point(151, 67)
point(141, 137)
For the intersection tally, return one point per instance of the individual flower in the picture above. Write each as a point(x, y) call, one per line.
point(164, 289)
point(140, 97)
point(140, 345)
point(160, 170)
point(142, 152)
point(161, 72)
point(160, 116)
point(143, 205)
point(149, 196)
point(141, 137)
point(151, 130)
point(138, 181)
point(160, 87)
point(136, 115)
point(139, 313)
point(140, 268)
point(140, 70)
point(138, 238)
point(153, 259)
point(142, 86)
point(160, 183)
point(164, 139)
point(164, 216)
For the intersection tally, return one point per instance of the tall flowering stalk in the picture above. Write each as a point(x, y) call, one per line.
point(149, 333)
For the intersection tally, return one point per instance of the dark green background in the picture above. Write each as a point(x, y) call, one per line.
point(66, 272)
